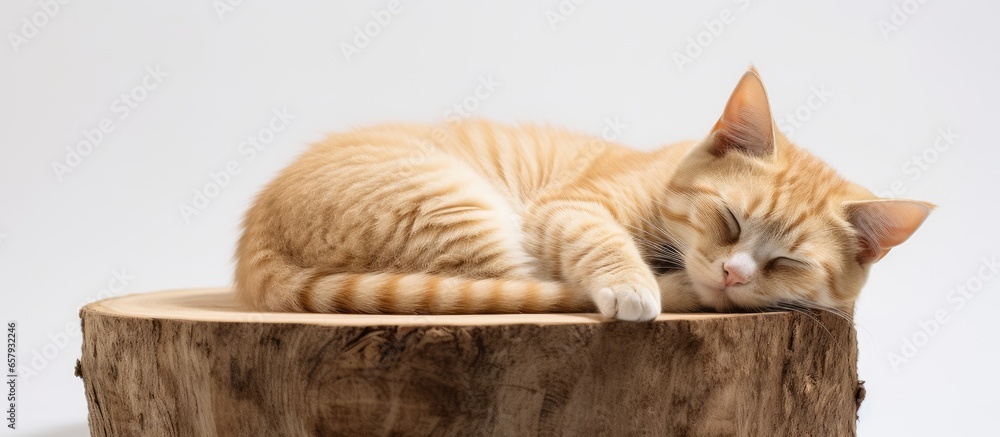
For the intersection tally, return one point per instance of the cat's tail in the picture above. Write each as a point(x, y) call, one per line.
point(315, 290)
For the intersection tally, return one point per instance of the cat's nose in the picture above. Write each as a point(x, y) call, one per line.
point(733, 275)
point(739, 268)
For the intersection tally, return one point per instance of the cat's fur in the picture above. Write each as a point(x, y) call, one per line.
point(479, 217)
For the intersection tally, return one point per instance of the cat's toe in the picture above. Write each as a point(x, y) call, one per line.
point(650, 304)
point(626, 302)
point(607, 302)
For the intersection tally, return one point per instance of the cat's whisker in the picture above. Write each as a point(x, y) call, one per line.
point(795, 306)
point(666, 234)
point(642, 217)
point(661, 252)
point(664, 256)
point(663, 235)
point(854, 320)
point(678, 260)
point(652, 236)
point(836, 311)
point(803, 311)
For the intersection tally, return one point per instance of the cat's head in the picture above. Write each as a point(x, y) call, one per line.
point(770, 223)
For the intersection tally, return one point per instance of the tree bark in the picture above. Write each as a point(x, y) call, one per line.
point(193, 363)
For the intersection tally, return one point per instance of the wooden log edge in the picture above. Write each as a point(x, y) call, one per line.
point(193, 362)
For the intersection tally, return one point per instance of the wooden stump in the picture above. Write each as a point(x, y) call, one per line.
point(193, 363)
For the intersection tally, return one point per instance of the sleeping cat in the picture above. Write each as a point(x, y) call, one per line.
point(479, 217)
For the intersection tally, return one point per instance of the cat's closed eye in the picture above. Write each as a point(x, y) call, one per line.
point(783, 262)
point(733, 227)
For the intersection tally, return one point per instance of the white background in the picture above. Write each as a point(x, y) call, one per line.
point(64, 236)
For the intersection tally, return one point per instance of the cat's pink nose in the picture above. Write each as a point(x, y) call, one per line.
point(733, 275)
point(739, 268)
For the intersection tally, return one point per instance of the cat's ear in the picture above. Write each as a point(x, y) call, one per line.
point(884, 223)
point(746, 125)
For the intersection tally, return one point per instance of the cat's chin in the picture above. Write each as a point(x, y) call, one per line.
point(723, 299)
point(715, 298)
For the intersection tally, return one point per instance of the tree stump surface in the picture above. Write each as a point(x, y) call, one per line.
point(194, 363)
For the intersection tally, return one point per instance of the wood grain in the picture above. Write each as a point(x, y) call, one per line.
point(193, 363)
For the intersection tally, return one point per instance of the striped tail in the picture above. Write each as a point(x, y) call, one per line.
point(410, 293)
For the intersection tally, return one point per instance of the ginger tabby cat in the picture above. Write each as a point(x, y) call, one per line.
point(479, 217)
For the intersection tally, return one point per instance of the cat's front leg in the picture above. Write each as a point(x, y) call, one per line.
point(588, 249)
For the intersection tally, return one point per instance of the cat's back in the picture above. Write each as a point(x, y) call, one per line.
point(518, 159)
point(473, 139)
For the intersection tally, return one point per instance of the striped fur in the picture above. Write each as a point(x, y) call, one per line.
point(479, 217)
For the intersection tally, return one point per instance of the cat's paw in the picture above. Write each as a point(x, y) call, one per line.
point(634, 303)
